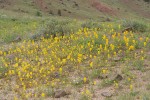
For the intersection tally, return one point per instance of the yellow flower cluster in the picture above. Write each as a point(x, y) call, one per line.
point(49, 61)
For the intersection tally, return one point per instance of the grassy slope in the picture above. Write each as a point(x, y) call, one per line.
point(128, 9)
point(28, 9)
point(16, 22)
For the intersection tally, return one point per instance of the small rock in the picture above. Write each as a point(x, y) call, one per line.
point(116, 59)
point(56, 75)
point(17, 39)
point(60, 93)
point(10, 57)
point(103, 76)
point(36, 36)
point(108, 19)
point(127, 29)
point(118, 78)
point(106, 94)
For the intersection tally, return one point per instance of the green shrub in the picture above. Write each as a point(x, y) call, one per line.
point(56, 28)
point(135, 25)
point(38, 13)
point(147, 0)
point(60, 28)
point(2, 71)
point(91, 24)
point(138, 64)
point(59, 12)
point(7, 38)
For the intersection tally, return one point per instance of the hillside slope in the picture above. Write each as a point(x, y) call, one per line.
point(91, 9)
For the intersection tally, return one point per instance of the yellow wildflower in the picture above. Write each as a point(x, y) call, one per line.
point(84, 79)
point(60, 70)
point(131, 87)
point(131, 47)
point(43, 94)
point(91, 64)
point(145, 43)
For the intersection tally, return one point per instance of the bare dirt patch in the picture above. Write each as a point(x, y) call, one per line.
point(102, 7)
point(41, 4)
